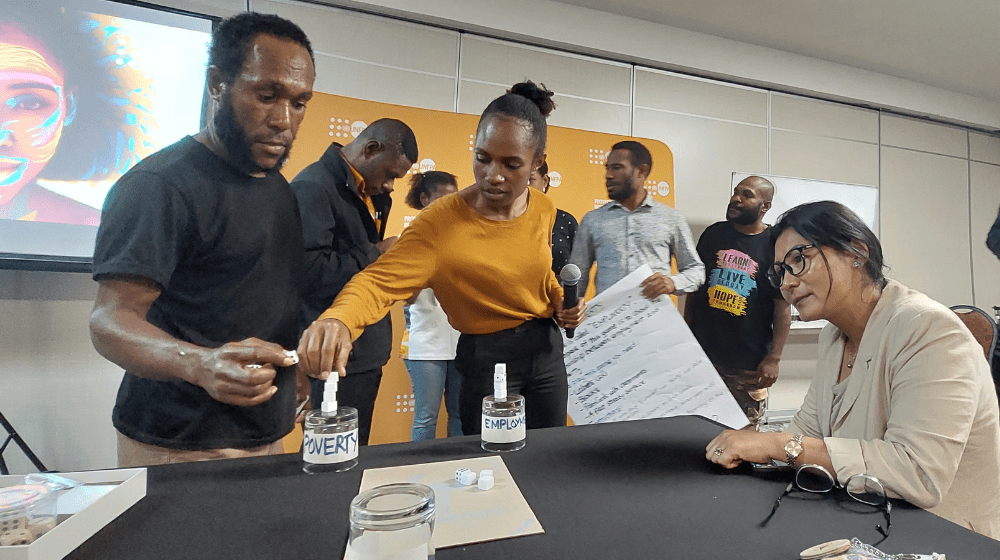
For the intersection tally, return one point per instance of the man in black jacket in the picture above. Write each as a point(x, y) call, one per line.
point(344, 201)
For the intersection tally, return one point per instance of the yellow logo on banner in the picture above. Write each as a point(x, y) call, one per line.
point(725, 299)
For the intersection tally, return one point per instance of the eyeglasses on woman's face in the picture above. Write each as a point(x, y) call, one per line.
point(794, 262)
point(861, 488)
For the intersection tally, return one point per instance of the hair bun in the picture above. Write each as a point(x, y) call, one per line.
point(538, 94)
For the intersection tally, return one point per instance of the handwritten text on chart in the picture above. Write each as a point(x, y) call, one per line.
point(634, 358)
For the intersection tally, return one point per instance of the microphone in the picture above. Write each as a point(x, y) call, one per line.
point(570, 276)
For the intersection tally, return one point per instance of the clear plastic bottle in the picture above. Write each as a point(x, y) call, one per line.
point(503, 416)
point(394, 521)
point(330, 435)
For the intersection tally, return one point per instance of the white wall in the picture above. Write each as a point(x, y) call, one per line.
point(548, 23)
point(939, 184)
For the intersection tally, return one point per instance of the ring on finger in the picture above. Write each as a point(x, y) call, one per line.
point(718, 451)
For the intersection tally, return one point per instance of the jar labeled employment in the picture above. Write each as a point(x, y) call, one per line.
point(503, 426)
point(392, 522)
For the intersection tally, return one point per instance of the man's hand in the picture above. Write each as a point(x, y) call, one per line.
point(657, 285)
point(384, 245)
point(241, 373)
point(744, 379)
point(572, 317)
point(324, 348)
point(767, 372)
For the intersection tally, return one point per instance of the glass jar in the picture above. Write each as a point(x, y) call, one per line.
point(330, 440)
point(392, 522)
point(503, 423)
point(27, 512)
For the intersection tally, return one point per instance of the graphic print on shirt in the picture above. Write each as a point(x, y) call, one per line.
point(732, 282)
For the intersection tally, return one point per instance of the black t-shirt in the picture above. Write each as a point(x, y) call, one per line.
point(733, 311)
point(563, 232)
point(226, 250)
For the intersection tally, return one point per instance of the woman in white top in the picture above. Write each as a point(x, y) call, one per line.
point(902, 391)
point(429, 351)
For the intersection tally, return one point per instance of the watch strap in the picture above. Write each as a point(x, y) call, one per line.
point(790, 459)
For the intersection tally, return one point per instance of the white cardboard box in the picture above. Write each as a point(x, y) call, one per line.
point(71, 533)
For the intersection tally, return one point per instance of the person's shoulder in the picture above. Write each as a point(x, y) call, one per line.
point(598, 213)
point(715, 233)
point(719, 227)
point(444, 211)
point(662, 208)
point(907, 310)
point(542, 202)
point(179, 156)
point(906, 304)
point(330, 166)
point(163, 168)
point(564, 216)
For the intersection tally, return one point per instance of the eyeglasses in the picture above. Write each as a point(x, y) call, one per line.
point(862, 488)
point(796, 265)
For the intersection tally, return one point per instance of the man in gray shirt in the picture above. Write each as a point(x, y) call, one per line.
point(633, 230)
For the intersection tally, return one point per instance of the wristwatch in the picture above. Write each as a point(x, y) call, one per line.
point(792, 449)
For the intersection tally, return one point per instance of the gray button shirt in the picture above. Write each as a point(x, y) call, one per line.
point(621, 241)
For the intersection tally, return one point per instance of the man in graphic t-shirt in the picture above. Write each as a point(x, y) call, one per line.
point(739, 319)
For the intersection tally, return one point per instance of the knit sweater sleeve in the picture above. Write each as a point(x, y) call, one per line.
point(403, 270)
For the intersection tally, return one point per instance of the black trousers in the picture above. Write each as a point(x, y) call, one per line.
point(357, 390)
point(533, 352)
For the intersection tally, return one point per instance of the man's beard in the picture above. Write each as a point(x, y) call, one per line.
point(236, 141)
point(621, 194)
point(745, 217)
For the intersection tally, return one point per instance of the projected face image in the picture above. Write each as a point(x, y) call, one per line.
point(34, 107)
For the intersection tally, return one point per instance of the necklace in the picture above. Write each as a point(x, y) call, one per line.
point(850, 360)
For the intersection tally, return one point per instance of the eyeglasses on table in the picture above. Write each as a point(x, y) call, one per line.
point(862, 488)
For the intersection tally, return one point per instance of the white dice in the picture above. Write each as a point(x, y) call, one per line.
point(485, 482)
point(465, 477)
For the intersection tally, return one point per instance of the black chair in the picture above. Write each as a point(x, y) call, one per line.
point(982, 326)
point(984, 329)
point(12, 436)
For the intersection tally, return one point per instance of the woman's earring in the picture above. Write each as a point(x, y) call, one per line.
point(857, 264)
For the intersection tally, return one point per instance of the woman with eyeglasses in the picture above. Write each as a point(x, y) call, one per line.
point(902, 391)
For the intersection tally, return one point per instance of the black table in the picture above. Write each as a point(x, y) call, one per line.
point(626, 490)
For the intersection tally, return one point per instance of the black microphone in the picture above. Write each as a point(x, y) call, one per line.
point(570, 276)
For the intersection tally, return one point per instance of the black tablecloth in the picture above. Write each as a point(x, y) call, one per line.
point(626, 490)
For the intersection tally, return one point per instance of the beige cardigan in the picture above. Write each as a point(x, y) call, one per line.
point(919, 412)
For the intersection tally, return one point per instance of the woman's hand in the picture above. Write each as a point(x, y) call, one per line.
point(572, 317)
point(732, 447)
point(324, 348)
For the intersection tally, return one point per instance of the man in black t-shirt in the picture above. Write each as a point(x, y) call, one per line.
point(739, 319)
point(199, 255)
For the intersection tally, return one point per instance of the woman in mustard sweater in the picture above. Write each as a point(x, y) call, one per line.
point(486, 253)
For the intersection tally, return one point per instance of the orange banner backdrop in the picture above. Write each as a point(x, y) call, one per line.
point(576, 169)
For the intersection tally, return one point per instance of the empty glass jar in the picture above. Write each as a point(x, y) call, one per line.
point(392, 522)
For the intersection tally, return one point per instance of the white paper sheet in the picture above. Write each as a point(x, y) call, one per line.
point(633, 358)
point(466, 514)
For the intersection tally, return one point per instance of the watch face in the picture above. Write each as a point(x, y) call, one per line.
point(793, 448)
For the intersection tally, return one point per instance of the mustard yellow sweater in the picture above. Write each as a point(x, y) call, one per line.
point(488, 275)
